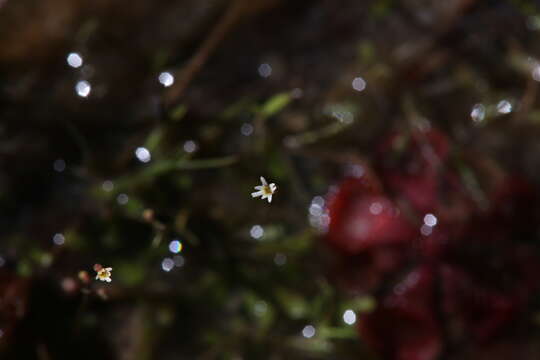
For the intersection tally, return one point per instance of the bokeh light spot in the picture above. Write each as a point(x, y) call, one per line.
point(59, 239)
point(536, 73)
point(478, 113)
point(504, 107)
point(83, 88)
point(430, 220)
point(426, 230)
point(122, 199)
point(359, 84)
point(59, 165)
point(265, 70)
point(256, 232)
point(246, 129)
point(166, 79)
point(74, 60)
point(308, 331)
point(375, 208)
point(190, 146)
point(143, 154)
point(175, 246)
point(107, 185)
point(167, 264)
point(349, 317)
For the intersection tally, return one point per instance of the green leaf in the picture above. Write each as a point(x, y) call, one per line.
point(348, 332)
point(178, 112)
point(154, 139)
point(275, 104)
point(364, 304)
point(165, 166)
point(241, 107)
point(295, 306)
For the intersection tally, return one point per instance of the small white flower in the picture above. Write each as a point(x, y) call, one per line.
point(265, 191)
point(104, 274)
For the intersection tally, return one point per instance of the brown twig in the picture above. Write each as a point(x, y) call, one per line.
point(233, 14)
point(527, 100)
point(426, 55)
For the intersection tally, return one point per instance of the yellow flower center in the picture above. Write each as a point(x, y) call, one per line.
point(103, 274)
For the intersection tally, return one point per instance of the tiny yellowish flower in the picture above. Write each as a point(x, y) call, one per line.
point(104, 274)
point(265, 190)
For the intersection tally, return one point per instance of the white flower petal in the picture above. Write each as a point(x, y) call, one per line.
point(108, 280)
point(108, 269)
point(265, 190)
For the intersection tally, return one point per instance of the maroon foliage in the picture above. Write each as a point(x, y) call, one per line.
point(474, 266)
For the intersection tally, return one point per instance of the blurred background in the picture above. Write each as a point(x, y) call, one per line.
point(402, 136)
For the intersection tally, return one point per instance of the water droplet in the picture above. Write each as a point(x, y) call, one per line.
point(376, 208)
point(344, 116)
point(342, 112)
point(246, 129)
point(504, 107)
point(315, 210)
point(430, 220)
point(167, 264)
point(175, 246)
point(256, 231)
point(297, 93)
point(536, 72)
point(265, 70)
point(426, 230)
point(349, 317)
point(143, 154)
point(107, 185)
point(74, 60)
point(308, 331)
point(58, 239)
point(260, 308)
point(122, 199)
point(359, 84)
point(83, 88)
point(319, 200)
point(478, 113)
point(166, 79)
point(190, 146)
point(318, 214)
point(354, 170)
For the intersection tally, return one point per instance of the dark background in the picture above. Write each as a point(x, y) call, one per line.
point(265, 88)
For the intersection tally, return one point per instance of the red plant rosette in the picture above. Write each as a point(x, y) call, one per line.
point(444, 268)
